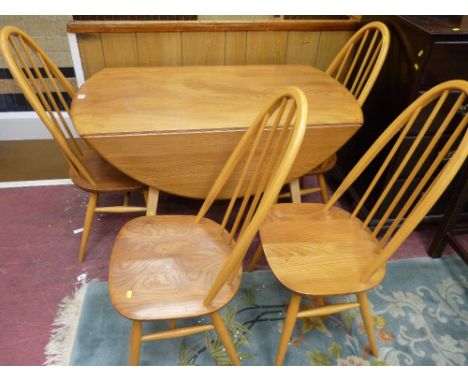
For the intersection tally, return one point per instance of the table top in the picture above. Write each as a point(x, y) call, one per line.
point(158, 100)
point(173, 128)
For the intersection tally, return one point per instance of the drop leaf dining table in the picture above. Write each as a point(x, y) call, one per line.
point(173, 128)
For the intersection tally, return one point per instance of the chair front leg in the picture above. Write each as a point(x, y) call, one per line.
point(135, 343)
point(225, 338)
point(368, 323)
point(288, 327)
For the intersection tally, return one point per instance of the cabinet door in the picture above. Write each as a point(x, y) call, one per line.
point(447, 61)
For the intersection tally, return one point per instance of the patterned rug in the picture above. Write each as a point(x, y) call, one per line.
point(420, 315)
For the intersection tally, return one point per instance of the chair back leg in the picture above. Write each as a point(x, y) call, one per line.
point(92, 202)
point(323, 187)
point(256, 257)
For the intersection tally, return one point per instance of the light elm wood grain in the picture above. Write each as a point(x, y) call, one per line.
point(88, 170)
point(357, 66)
point(169, 263)
point(322, 250)
point(167, 126)
point(174, 267)
point(326, 258)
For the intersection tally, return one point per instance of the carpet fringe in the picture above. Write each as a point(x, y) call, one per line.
point(59, 348)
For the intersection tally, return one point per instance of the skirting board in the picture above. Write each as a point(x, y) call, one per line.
point(36, 183)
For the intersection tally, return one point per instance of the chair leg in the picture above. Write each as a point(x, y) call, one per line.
point(135, 343)
point(295, 189)
point(92, 202)
point(225, 337)
point(257, 255)
point(152, 202)
point(288, 327)
point(323, 187)
point(126, 198)
point(320, 300)
point(367, 318)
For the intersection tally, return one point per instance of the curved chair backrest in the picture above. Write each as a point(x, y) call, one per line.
point(359, 62)
point(43, 83)
point(259, 164)
point(430, 141)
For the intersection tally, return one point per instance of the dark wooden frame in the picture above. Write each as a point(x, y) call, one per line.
point(449, 228)
point(214, 26)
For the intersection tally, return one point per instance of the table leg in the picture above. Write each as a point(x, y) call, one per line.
point(295, 191)
point(152, 203)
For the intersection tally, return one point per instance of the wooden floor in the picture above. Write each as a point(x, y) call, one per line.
point(38, 266)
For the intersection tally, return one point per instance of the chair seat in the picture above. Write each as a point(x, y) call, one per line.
point(162, 267)
point(328, 258)
point(107, 178)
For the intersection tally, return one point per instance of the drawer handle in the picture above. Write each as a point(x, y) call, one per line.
point(463, 109)
point(448, 156)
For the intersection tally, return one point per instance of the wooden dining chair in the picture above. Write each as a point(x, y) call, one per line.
point(321, 250)
point(357, 67)
point(166, 268)
point(46, 89)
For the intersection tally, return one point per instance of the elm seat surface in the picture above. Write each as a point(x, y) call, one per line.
point(107, 177)
point(328, 258)
point(169, 264)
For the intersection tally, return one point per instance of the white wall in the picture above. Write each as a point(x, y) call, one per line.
point(23, 126)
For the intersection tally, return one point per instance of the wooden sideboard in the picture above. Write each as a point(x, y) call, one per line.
point(424, 51)
point(450, 227)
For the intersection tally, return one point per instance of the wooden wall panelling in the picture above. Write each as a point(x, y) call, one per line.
point(235, 48)
point(330, 44)
point(120, 49)
point(92, 56)
point(266, 47)
point(302, 47)
point(159, 49)
point(209, 48)
point(203, 48)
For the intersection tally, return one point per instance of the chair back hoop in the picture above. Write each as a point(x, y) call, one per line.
point(259, 166)
point(46, 88)
point(421, 152)
point(358, 63)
